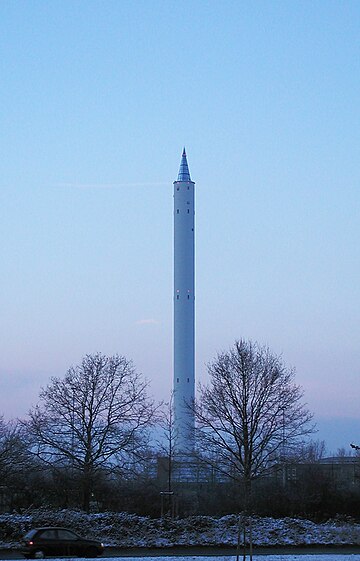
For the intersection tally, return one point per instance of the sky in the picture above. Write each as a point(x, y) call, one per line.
point(97, 101)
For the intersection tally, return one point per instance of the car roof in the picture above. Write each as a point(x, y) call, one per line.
point(53, 528)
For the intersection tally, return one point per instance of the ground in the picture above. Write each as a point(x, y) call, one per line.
point(293, 557)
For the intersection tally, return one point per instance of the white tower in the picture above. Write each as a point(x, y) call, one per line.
point(184, 309)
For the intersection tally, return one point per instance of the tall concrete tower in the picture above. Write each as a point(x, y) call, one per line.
point(184, 309)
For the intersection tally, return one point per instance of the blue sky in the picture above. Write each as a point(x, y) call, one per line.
point(97, 101)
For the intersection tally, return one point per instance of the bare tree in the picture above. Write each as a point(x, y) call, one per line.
point(249, 412)
point(18, 470)
point(167, 442)
point(91, 419)
point(14, 456)
point(342, 453)
point(308, 452)
point(166, 460)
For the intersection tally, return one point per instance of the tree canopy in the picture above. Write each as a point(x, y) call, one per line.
point(98, 411)
point(250, 410)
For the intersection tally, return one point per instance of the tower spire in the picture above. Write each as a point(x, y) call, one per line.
point(184, 174)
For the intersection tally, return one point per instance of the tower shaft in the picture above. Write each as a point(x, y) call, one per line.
point(184, 309)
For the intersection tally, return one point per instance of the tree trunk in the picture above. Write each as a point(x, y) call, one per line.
point(86, 489)
point(245, 523)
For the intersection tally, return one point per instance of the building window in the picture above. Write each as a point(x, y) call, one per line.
point(188, 211)
point(177, 380)
point(177, 211)
point(188, 379)
point(177, 297)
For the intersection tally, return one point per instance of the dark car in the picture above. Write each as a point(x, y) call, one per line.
point(46, 542)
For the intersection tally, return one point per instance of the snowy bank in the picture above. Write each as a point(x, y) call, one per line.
point(129, 530)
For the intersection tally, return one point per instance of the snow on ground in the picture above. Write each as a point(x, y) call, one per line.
point(128, 530)
point(292, 557)
point(315, 557)
point(131, 531)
